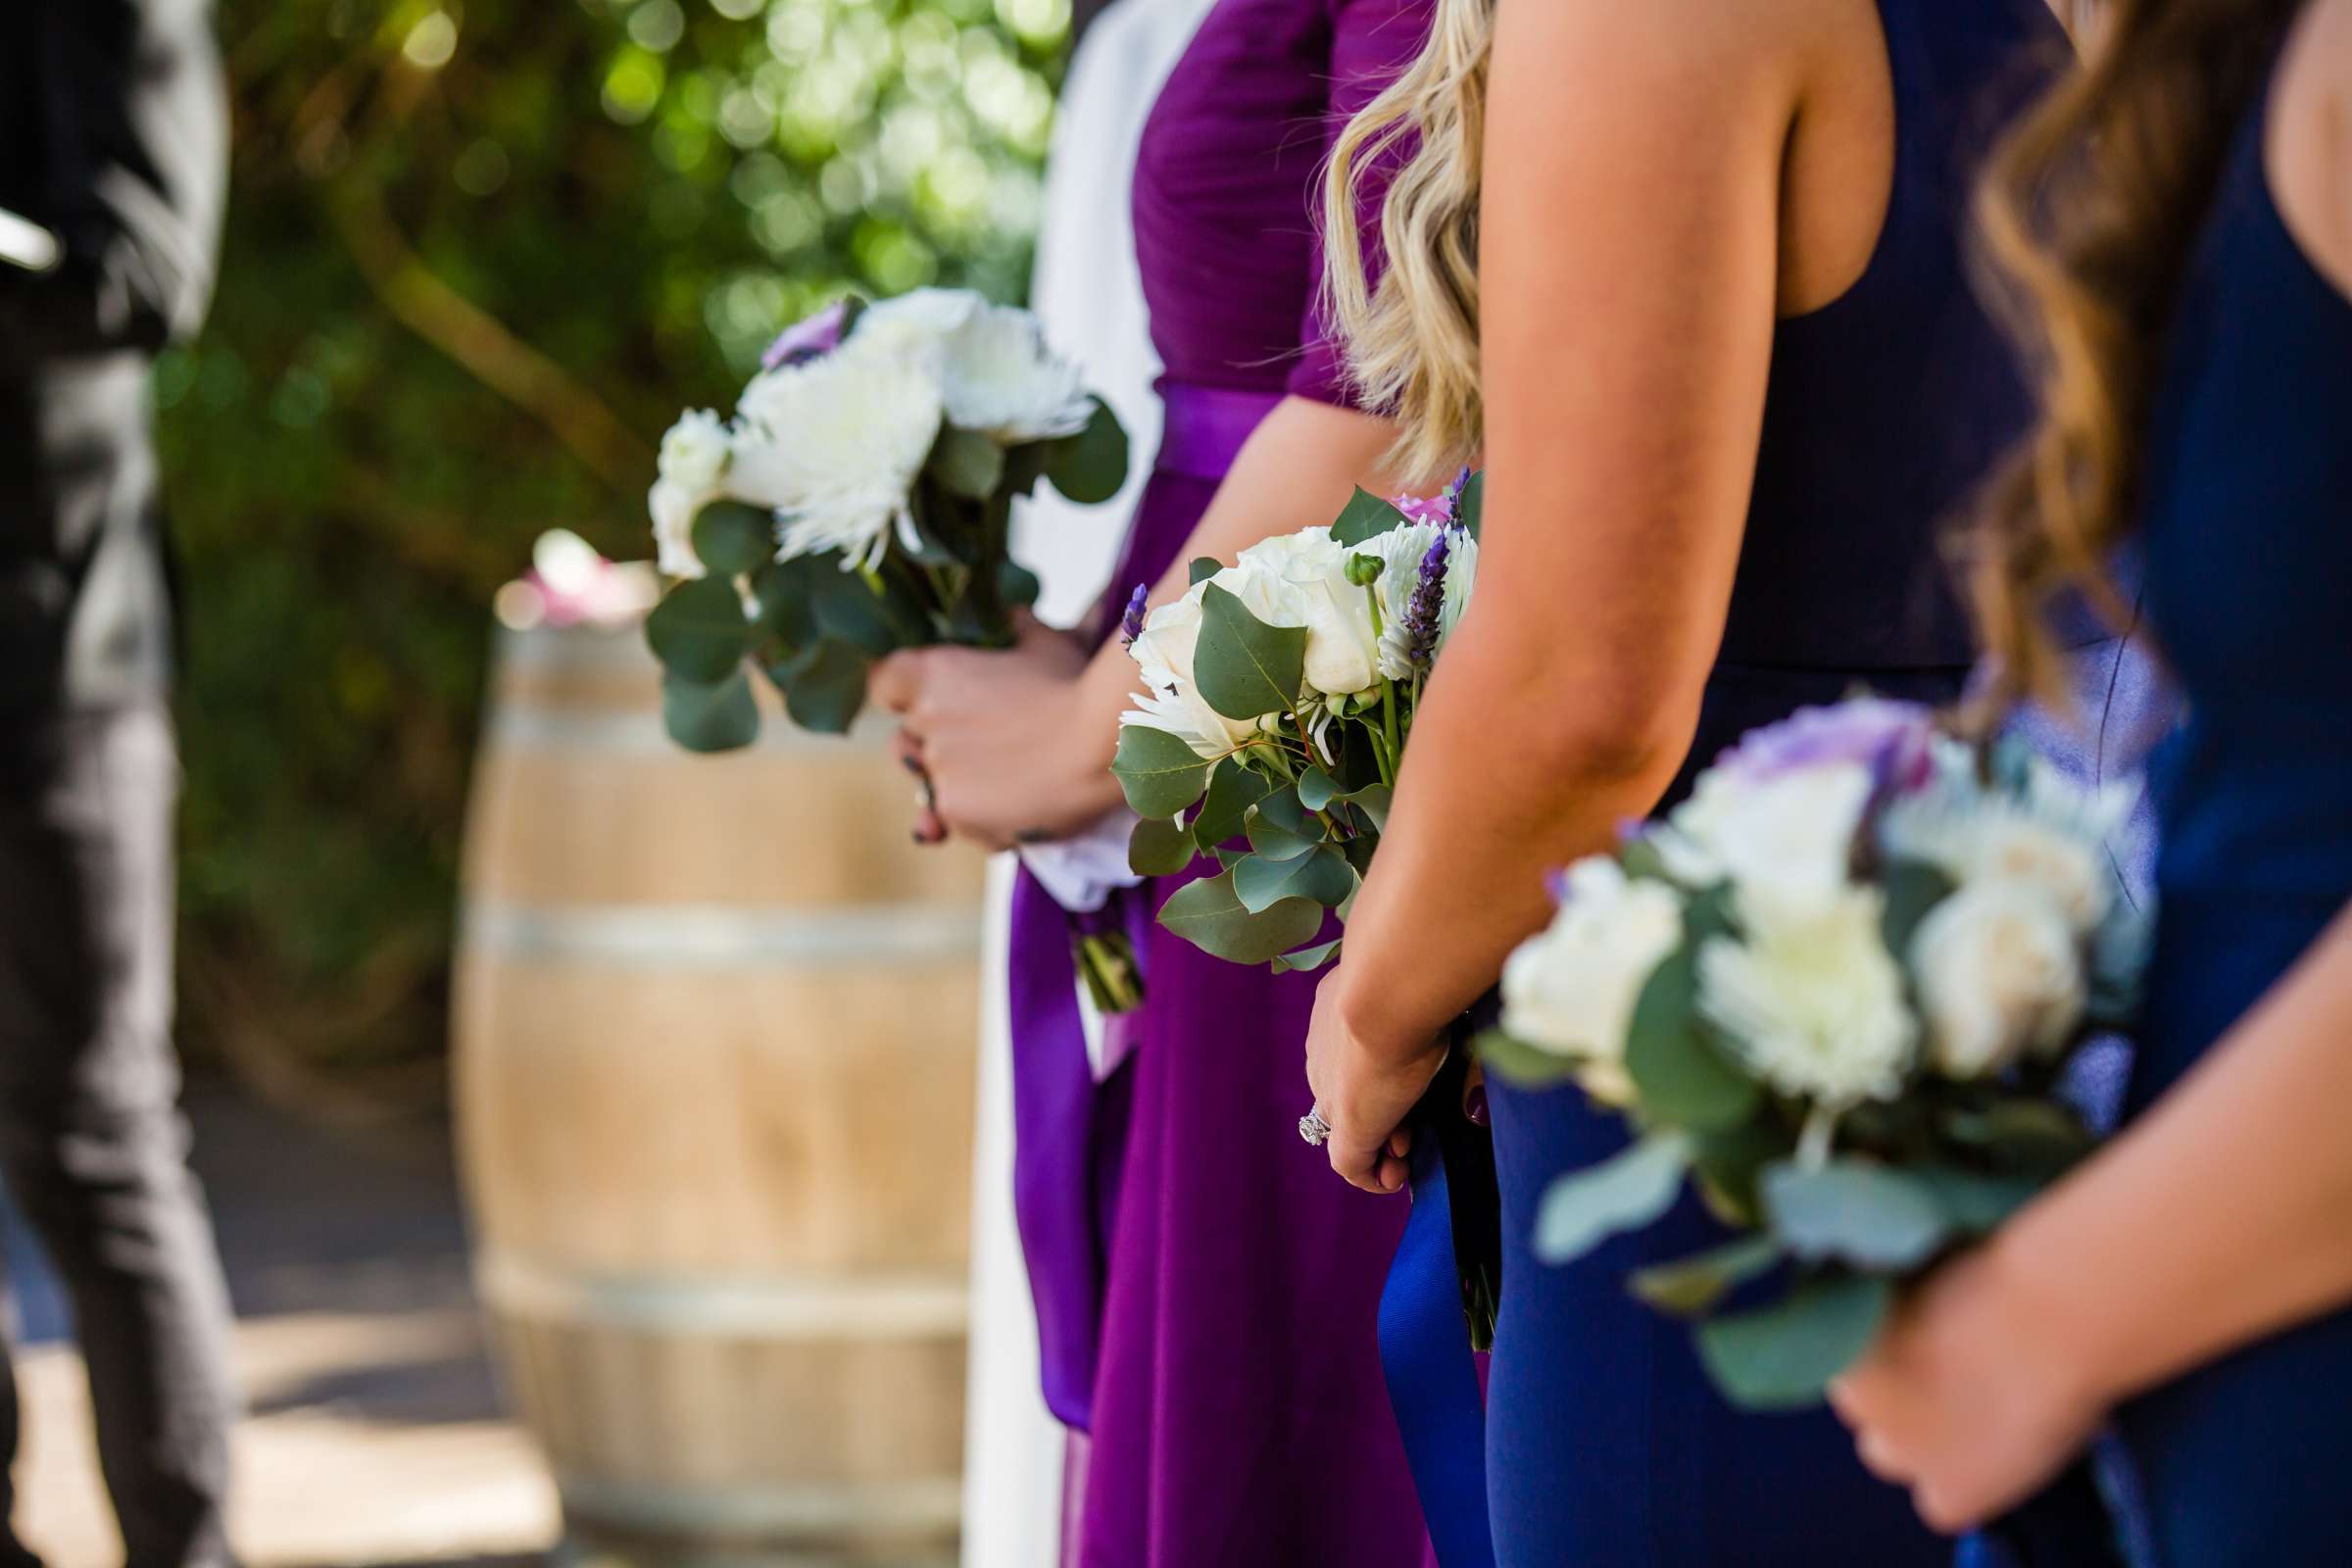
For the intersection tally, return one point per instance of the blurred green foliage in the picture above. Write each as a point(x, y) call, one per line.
point(479, 257)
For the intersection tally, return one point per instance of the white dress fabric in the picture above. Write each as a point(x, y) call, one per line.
point(1090, 296)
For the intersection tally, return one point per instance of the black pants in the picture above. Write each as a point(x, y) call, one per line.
point(92, 1145)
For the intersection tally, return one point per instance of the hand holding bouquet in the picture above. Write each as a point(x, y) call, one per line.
point(1836, 990)
point(1281, 691)
point(858, 502)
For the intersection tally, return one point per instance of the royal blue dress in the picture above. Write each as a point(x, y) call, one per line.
point(1607, 1448)
point(2248, 535)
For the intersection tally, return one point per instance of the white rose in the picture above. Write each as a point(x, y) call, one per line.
point(1003, 381)
point(1571, 989)
point(1999, 975)
point(694, 451)
point(674, 508)
point(1972, 836)
point(1310, 567)
point(1172, 701)
point(835, 446)
point(1811, 999)
point(1789, 838)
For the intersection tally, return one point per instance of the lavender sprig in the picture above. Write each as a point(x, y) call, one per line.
point(1425, 610)
point(1131, 624)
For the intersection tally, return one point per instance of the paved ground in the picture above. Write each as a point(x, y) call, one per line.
point(375, 1437)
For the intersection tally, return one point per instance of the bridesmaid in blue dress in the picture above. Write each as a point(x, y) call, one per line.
point(1734, 380)
point(2193, 1279)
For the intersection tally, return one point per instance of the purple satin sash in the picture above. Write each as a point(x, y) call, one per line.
point(1070, 1133)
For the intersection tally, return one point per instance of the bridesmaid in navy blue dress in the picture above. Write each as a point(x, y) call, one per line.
point(2193, 1279)
point(1736, 378)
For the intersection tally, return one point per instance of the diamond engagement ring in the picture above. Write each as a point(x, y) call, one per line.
point(1313, 1128)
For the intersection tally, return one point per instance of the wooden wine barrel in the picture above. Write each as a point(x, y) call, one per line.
point(716, 1019)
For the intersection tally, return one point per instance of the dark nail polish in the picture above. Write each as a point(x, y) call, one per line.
point(1474, 1104)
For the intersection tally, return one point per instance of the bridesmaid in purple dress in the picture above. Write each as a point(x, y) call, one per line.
point(1206, 1293)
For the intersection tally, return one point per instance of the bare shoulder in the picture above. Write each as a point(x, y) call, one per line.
point(2309, 154)
point(1662, 45)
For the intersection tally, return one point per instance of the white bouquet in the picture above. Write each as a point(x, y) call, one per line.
point(858, 501)
point(1836, 989)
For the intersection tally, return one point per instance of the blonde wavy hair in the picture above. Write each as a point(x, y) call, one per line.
point(2091, 209)
point(1412, 341)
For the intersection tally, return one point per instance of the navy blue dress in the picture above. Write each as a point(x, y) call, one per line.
point(2248, 530)
point(1607, 1446)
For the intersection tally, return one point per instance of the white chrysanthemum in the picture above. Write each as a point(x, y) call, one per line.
point(1571, 989)
point(2052, 837)
point(1402, 550)
point(674, 508)
point(1171, 701)
point(694, 451)
point(833, 447)
point(917, 317)
point(1999, 975)
point(1811, 999)
point(1791, 838)
point(1001, 380)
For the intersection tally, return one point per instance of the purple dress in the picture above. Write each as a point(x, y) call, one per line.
point(1230, 1383)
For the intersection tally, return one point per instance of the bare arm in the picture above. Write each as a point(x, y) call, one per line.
point(1629, 233)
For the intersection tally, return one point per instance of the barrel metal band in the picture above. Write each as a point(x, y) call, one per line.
point(812, 1510)
point(757, 1306)
point(723, 936)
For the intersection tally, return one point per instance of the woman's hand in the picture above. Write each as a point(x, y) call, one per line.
point(1007, 758)
point(1364, 1090)
point(1975, 1395)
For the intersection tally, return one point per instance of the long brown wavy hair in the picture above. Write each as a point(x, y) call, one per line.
point(2091, 209)
point(1412, 341)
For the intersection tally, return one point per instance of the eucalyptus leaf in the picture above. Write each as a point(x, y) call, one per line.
point(1089, 466)
point(1158, 772)
point(1323, 875)
point(1731, 1162)
point(787, 601)
point(824, 686)
point(1317, 789)
point(876, 617)
point(1913, 889)
point(1516, 1061)
point(733, 539)
point(1207, 914)
point(1872, 1216)
point(1975, 1204)
point(699, 630)
point(1783, 1357)
point(1689, 1286)
point(1202, 569)
point(713, 716)
point(1470, 506)
point(1279, 830)
point(1683, 1078)
point(1625, 1192)
point(967, 463)
point(1233, 788)
point(1365, 518)
point(1307, 959)
point(1159, 847)
point(1373, 801)
point(1243, 667)
point(1016, 584)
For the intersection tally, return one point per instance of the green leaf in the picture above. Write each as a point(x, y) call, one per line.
point(1913, 888)
point(699, 630)
point(1317, 789)
point(787, 600)
point(715, 717)
point(2040, 1134)
point(1373, 801)
point(1016, 584)
point(1202, 569)
point(1307, 959)
point(1279, 829)
point(1731, 1162)
point(1159, 846)
point(850, 608)
point(1470, 506)
point(1872, 1216)
point(1625, 1192)
point(1516, 1061)
point(1091, 465)
point(732, 538)
point(1323, 875)
point(1683, 1077)
point(1690, 1285)
point(1233, 789)
point(968, 464)
point(1244, 668)
point(1977, 1204)
point(824, 686)
point(1365, 517)
point(1207, 914)
point(1783, 1357)
point(1160, 774)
